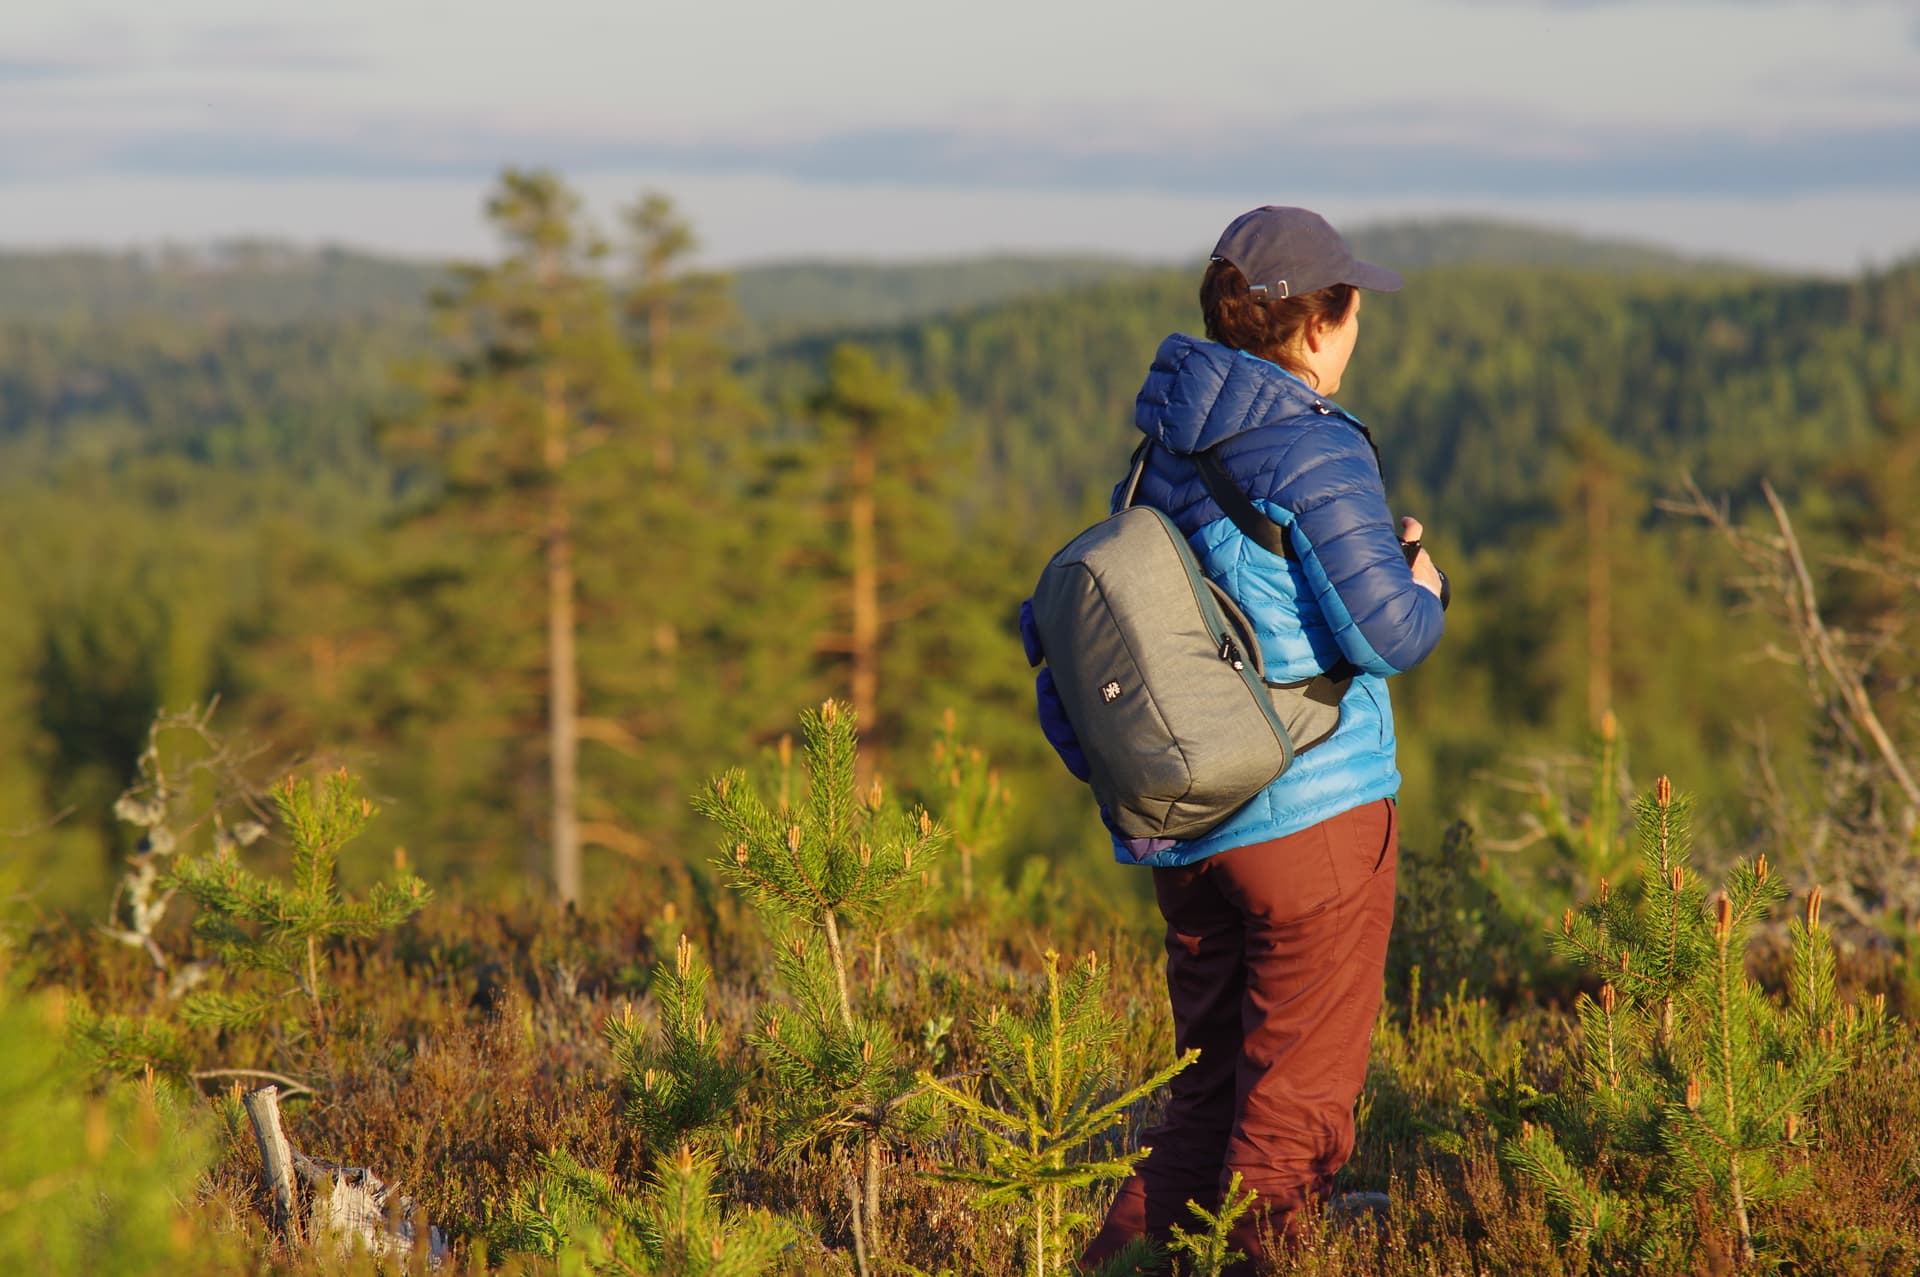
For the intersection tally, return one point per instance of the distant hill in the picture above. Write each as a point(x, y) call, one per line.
point(785, 300)
point(235, 281)
point(1418, 245)
point(1476, 377)
point(791, 300)
point(268, 281)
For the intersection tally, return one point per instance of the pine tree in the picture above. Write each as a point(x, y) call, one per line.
point(674, 1227)
point(536, 379)
point(834, 855)
point(680, 1092)
point(1050, 1093)
point(94, 1180)
point(692, 667)
point(1209, 1248)
point(888, 480)
point(972, 798)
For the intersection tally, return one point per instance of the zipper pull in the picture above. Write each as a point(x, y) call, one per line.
point(1230, 653)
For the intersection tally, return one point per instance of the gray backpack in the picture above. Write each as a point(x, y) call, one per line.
point(1160, 675)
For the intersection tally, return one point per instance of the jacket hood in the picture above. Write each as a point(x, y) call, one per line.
point(1199, 393)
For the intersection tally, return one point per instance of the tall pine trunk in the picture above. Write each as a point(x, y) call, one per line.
point(1599, 597)
point(659, 371)
point(563, 675)
point(865, 646)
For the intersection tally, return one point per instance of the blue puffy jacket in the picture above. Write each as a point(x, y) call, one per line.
point(1312, 468)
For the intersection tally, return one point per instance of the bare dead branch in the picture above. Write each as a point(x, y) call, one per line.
point(28, 831)
point(1844, 675)
point(289, 1086)
point(611, 734)
point(615, 837)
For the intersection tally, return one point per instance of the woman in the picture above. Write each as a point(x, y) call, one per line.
point(1277, 919)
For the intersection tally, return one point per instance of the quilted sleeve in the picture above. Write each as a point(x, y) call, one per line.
point(1385, 621)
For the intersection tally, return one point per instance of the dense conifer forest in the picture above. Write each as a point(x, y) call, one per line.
point(282, 529)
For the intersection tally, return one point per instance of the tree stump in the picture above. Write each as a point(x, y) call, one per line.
point(276, 1158)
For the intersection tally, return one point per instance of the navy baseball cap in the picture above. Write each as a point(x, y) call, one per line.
point(1289, 251)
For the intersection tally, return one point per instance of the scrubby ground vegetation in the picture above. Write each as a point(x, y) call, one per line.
point(813, 1052)
point(893, 1010)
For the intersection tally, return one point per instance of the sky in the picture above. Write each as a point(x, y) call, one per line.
point(1784, 132)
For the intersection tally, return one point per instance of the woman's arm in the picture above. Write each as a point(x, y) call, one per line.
point(1385, 621)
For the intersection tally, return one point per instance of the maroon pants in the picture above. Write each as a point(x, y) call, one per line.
point(1275, 959)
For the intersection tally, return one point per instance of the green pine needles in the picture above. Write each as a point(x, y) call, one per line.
point(1048, 1094)
point(973, 800)
point(1210, 1249)
point(834, 856)
point(1692, 1080)
point(280, 929)
point(680, 1091)
point(677, 1227)
point(678, 1084)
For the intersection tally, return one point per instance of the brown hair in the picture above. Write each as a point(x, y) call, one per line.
point(1264, 325)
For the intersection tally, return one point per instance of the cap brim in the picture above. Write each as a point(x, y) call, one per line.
point(1374, 278)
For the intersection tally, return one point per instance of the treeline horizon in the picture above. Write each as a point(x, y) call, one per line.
point(262, 505)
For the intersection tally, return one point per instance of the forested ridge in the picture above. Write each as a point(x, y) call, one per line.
point(195, 484)
point(570, 738)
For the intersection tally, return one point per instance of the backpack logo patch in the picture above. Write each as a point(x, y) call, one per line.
point(1110, 693)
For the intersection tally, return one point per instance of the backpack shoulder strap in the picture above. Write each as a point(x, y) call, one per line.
point(1257, 527)
point(1131, 488)
point(1264, 532)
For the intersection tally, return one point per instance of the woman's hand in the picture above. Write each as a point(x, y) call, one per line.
point(1423, 570)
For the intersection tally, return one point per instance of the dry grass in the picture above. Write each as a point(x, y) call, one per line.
point(468, 1043)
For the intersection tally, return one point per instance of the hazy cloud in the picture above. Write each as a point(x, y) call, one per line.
point(1662, 4)
point(1520, 163)
point(99, 49)
point(31, 70)
point(268, 46)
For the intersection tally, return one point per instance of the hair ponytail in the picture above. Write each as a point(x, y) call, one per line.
point(1267, 326)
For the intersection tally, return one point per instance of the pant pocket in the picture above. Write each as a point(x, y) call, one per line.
point(1363, 842)
point(1390, 841)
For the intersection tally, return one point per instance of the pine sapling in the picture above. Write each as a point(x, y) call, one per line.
point(678, 1084)
point(690, 1235)
point(833, 856)
point(1210, 1249)
point(680, 1091)
point(973, 803)
point(675, 1227)
point(1690, 1077)
point(282, 928)
point(1048, 1095)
